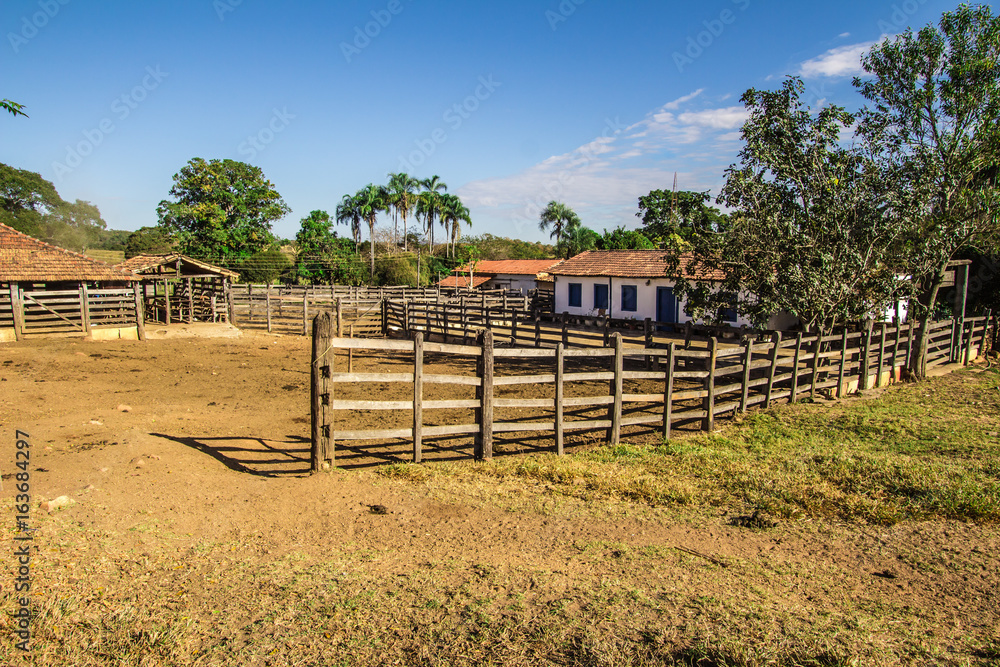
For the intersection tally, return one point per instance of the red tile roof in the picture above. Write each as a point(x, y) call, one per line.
point(523, 267)
point(627, 264)
point(142, 264)
point(26, 259)
point(462, 280)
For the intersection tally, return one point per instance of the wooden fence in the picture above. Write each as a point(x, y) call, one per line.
point(288, 309)
point(77, 311)
point(610, 388)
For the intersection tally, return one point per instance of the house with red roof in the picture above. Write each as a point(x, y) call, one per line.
point(625, 284)
point(522, 275)
point(46, 290)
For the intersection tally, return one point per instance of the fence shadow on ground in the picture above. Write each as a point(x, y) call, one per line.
point(255, 456)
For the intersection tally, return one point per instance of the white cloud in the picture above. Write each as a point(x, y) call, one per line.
point(676, 104)
point(719, 119)
point(841, 61)
point(844, 35)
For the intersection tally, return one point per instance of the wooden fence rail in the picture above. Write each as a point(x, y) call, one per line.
point(615, 387)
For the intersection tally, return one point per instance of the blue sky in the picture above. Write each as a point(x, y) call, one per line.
point(512, 104)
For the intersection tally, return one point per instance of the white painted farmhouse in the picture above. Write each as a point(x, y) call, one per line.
point(625, 284)
point(523, 275)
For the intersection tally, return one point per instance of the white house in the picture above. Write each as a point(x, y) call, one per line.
point(624, 284)
point(523, 275)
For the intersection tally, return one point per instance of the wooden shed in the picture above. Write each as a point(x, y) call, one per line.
point(49, 291)
point(177, 288)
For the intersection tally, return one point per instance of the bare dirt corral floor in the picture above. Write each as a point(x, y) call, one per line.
point(197, 536)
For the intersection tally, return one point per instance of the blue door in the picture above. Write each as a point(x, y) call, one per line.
point(666, 305)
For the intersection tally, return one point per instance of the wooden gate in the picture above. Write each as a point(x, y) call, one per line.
point(49, 312)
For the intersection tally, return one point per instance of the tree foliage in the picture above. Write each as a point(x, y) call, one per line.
point(625, 239)
point(322, 257)
point(809, 233)
point(221, 210)
point(934, 117)
point(13, 107)
point(558, 217)
point(148, 241)
point(671, 219)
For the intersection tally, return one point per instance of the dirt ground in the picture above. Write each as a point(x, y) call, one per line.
point(168, 444)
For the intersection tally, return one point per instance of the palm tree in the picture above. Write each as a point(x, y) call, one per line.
point(403, 196)
point(453, 213)
point(431, 203)
point(349, 214)
point(371, 200)
point(559, 216)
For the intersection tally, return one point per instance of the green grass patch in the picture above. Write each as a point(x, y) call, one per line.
point(918, 451)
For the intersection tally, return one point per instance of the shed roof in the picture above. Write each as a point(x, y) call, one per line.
point(147, 264)
point(628, 264)
point(462, 280)
point(26, 259)
point(523, 267)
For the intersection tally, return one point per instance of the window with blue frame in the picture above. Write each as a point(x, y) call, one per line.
point(728, 315)
point(630, 298)
point(575, 295)
point(600, 297)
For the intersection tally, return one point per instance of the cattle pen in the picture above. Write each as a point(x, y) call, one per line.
point(538, 390)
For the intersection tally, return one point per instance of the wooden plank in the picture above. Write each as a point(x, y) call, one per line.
point(775, 342)
point(597, 376)
point(587, 401)
point(320, 370)
point(370, 405)
point(418, 396)
point(640, 420)
point(513, 380)
point(843, 364)
point(515, 427)
point(642, 398)
point(709, 423)
point(370, 377)
point(587, 425)
point(747, 361)
point(455, 404)
point(375, 434)
point(668, 392)
point(484, 444)
point(84, 307)
point(460, 429)
point(522, 403)
point(462, 380)
point(522, 353)
point(560, 397)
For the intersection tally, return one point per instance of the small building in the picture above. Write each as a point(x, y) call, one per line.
point(463, 281)
point(523, 275)
point(177, 288)
point(46, 290)
point(625, 284)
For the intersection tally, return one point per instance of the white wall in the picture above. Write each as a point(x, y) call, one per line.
point(512, 281)
point(645, 298)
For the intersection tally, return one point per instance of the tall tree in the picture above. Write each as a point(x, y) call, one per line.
point(453, 213)
point(403, 196)
point(577, 239)
point(349, 213)
point(934, 116)
point(371, 201)
point(321, 257)
point(809, 233)
point(558, 217)
point(430, 203)
point(222, 209)
point(673, 217)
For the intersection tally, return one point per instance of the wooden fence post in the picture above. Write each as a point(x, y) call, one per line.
point(249, 302)
point(617, 388)
point(267, 302)
point(418, 396)
point(795, 367)
point(817, 349)
point(321, 394)
point(559, 399)
point(668, 391)
point(881, 358)
point(565, 331)
point(866, 349)
point(747, 361)
point(538, 332)
point(305, 313)
point(484, 444)
point(843, 362)
point(17, 310)
point(140, 314)
point(775, 342)
point(647, 334)
point(385, 317)
point(967, 352)
point(708, 423)
point(607, 331)
point(85, 307)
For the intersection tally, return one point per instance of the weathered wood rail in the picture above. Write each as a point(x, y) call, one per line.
point(614, 387)
point(79, 311)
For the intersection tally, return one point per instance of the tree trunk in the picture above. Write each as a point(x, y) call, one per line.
point(918, 361)
point(371, 249)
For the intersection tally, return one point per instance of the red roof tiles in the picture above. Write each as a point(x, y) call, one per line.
point(524, 267)
point(462, 280)
point(627, 264)
point(26, 259)
point(142, 264)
